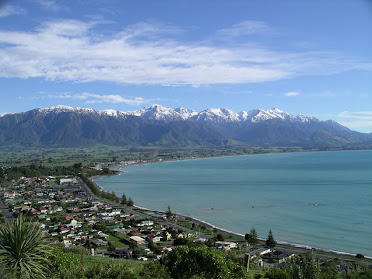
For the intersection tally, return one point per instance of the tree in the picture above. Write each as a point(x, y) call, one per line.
point(77, 167)
point(130, 202)
point(306, 267)
point(110, 247)
point(270, 241)
point(276, 273)
point(154, 270)
point(23, 249)
point(169, 212)
point(220, 237)
point(200, 262)
point(252, 238)
point(124, 200)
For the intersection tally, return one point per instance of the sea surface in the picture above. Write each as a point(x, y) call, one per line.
point(317, 199)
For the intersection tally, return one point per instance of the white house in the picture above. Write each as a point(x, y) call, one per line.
point(101, 234)
point(145, 223)
point(9, 195)
point(64, 181)
point(225, 245)
point(137, 239)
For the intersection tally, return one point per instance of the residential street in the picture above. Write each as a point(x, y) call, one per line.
point(5, 210)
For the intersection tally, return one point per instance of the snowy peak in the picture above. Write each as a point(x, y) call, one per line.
point(86, 111)
point(304, 118)
point(211, 115)
point(186, 113)
point(158, 112)
point(253, 116)
point(262, 115)
point(217, 116)
point(60, 108)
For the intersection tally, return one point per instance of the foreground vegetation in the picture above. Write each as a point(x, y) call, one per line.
point(26, 254)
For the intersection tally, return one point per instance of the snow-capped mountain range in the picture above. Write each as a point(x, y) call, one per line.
point(166, 127)
point(219, 115)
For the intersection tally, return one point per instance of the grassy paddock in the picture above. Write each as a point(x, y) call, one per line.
point(89, 261)
point(20, 155)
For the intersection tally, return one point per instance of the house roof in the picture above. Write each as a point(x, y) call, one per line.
point(137, 238)
point(127, 251)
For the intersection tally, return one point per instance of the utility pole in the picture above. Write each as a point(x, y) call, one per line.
point(248, 259)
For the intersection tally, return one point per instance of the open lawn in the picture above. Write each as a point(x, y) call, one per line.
point(89, 261)
point(116, 241)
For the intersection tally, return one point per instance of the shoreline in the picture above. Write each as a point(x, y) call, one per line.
point(280, 244)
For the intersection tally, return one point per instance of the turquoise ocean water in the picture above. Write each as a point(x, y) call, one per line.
point(318, 199)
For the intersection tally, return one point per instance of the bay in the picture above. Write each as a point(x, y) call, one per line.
point(315, 199)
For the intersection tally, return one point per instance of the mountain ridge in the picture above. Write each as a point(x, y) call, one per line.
point(158, 112)
point(157, 125)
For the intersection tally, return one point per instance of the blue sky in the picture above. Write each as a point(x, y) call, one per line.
point(304, 57)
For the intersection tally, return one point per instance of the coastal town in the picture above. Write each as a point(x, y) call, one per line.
point(71, 216)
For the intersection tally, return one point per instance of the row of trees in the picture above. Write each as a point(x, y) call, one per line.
point(252, 238)
point(8, 174)
point(125, 201)
point(33, 170)
point(97, 191)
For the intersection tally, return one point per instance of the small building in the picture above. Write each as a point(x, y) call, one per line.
point(145, 223)
point(68, 181)
point(278, 256)
point(68, 217)
point(124, 253)
point(98, 242)
point(9, 195)
point(137, 239)
point(103, 235)
point(64, 230)
point(67, 242)
point(153, 238)
point(225, 245)
point(259, 252)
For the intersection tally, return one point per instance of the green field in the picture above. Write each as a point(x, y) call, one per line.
point(17, 155)
point(89, 261)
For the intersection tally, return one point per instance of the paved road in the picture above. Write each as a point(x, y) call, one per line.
point(5, 209)
point(160, 221)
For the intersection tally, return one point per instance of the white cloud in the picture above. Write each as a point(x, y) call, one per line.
point(360, 120)
point(8, 10)
point(245, 28)
point(365, 126)
point(49, 5)
point(356, 115)
point(73, 50)
point(291, 94)
point(149, 30)
point(92, 98)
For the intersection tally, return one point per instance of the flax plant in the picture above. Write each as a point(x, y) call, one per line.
point(23, 250)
